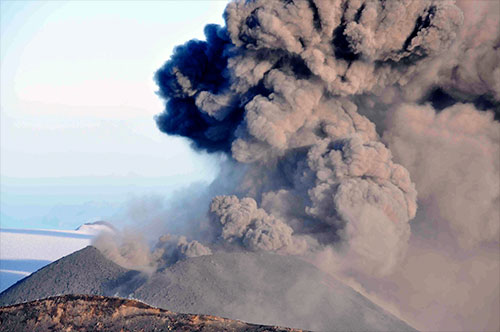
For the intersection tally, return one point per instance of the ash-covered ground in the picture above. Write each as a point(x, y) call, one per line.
point(261, 288)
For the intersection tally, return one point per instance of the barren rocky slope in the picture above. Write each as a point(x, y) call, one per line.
point(265, 288)
point(98, 313)
point(85, 271)
point(259, 288)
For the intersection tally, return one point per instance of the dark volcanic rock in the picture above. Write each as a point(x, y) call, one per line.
point(98, 313)
point(85, 271)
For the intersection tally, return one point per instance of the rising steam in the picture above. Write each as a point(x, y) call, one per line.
point(339, 112)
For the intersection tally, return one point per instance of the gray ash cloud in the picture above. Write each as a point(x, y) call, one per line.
point(277, 78)
point(344, 116)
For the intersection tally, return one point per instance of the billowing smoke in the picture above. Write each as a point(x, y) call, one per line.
point(337, 112)
point(461, 147)
point(253, 228)
point(472, 74)
point(271, 89)
point(132, 251)
point(170, 249)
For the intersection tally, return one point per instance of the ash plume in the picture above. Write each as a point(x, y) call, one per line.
point(271, 89)
point(337, 113)
point(243, 222)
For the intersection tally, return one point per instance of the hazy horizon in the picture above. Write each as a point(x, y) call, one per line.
point(78, 136)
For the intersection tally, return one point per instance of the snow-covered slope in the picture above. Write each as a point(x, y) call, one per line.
point(23, 251)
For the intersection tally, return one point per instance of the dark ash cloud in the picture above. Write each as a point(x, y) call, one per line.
point(344, 116)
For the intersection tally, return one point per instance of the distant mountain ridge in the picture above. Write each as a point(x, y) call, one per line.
point(96, 227)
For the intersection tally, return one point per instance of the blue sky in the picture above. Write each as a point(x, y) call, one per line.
point(77, 104)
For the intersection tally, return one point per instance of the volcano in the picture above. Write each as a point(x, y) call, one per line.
point(260, 288)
